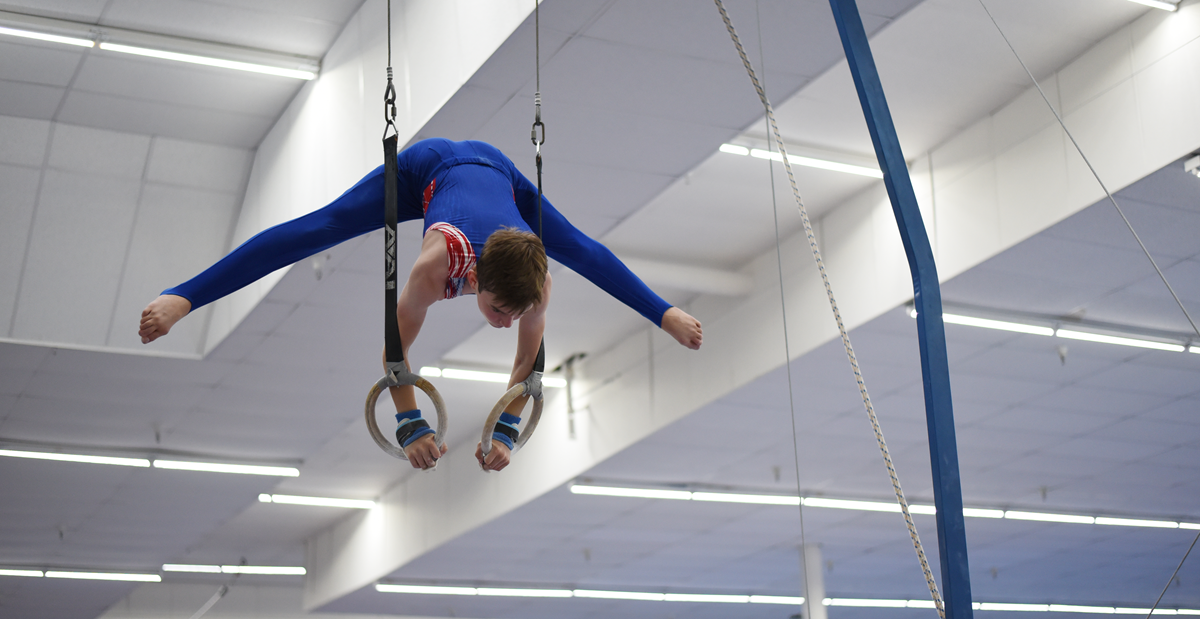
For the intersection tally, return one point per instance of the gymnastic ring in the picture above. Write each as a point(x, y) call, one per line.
point(396, 380)
point(531, 386)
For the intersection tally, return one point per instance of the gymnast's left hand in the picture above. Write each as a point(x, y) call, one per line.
point(685, 329)
point(496, 459)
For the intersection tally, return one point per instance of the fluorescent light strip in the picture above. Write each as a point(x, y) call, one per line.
point(22, 573)
point(996, 324)
point(1120, 341)
point(41, 455)
point(212, 467)
point(267, 570)
point(211, 62)
point(487, 377)
point(809, 162)
point(105, 576)
point(1003, 325)
point(316, 501)
point(709, 598)
point(1158, 4)
point(871, 506)
point(52, 38)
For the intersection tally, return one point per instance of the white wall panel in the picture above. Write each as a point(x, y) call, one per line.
point(1101, 68)
point(1030, 185)
point(76, 252)
point(1167, 92)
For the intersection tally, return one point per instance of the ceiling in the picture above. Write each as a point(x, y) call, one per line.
point(637, 98)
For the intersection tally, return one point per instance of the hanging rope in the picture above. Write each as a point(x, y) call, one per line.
point(1093, 170)
point(816, 252)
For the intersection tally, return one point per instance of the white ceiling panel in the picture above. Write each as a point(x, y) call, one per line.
point(29, 100)
point(307, 28)
point(98, 152)
point(73, 209)
point(34, 62)
point(236, 129)
point(24, 141)
point(200, 166)
point(18, 193)
point(179, 84)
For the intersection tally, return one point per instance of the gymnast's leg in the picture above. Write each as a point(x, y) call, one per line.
point(357, 211)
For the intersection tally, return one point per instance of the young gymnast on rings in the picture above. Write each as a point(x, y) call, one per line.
point(483, 211)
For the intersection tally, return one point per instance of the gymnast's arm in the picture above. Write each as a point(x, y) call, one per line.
point(584, 255)
point(354, 213)
point(531, 326)
point(425, 286)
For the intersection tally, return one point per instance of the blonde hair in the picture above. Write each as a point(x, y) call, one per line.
point(512, 266)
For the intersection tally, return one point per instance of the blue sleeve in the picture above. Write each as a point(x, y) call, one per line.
point(356, 212)
point(582, 254)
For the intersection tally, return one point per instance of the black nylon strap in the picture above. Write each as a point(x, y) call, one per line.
point(394, 350)
point(404, 432)
point(509, 431)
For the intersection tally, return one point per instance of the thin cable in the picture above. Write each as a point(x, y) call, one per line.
point(537, 105)
point(787, 350)
point(211, 601)
point(1173, 575)
point(816, 252)
point(1089, 165)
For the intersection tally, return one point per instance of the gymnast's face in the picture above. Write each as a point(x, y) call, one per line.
point(496, 315)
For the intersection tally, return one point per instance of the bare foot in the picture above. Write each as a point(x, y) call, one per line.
point(685, 329)
point(161, 315)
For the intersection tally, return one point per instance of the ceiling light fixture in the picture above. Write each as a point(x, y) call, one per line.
point(1029, 327)
point(316, 501)
point(267, 570)
point(41, 455)
point(1120, 341)
point(711, 598)
point(21, 573)
point(1192, 165)
point(487, 377)
point(214, 467)
point(105, 576)
point(159, 46)
point(210, 62)
point(809, 162)
point(871, 506)
point(51, 38)
point(1158, 4)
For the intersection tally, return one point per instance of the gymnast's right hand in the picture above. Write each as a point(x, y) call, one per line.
point(161, 315)
point(423, 453)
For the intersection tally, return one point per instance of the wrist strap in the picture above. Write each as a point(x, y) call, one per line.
point(411, 427)
point(506, 431)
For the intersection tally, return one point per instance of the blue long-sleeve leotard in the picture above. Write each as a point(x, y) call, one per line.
point(470, 185)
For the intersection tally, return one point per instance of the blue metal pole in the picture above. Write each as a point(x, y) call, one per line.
point(943, 452)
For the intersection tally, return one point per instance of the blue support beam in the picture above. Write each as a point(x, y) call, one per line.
point(943, 451)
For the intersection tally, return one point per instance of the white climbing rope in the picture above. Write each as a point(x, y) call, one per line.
point(816, 252)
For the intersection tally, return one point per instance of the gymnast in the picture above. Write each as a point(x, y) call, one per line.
point(474, 197)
